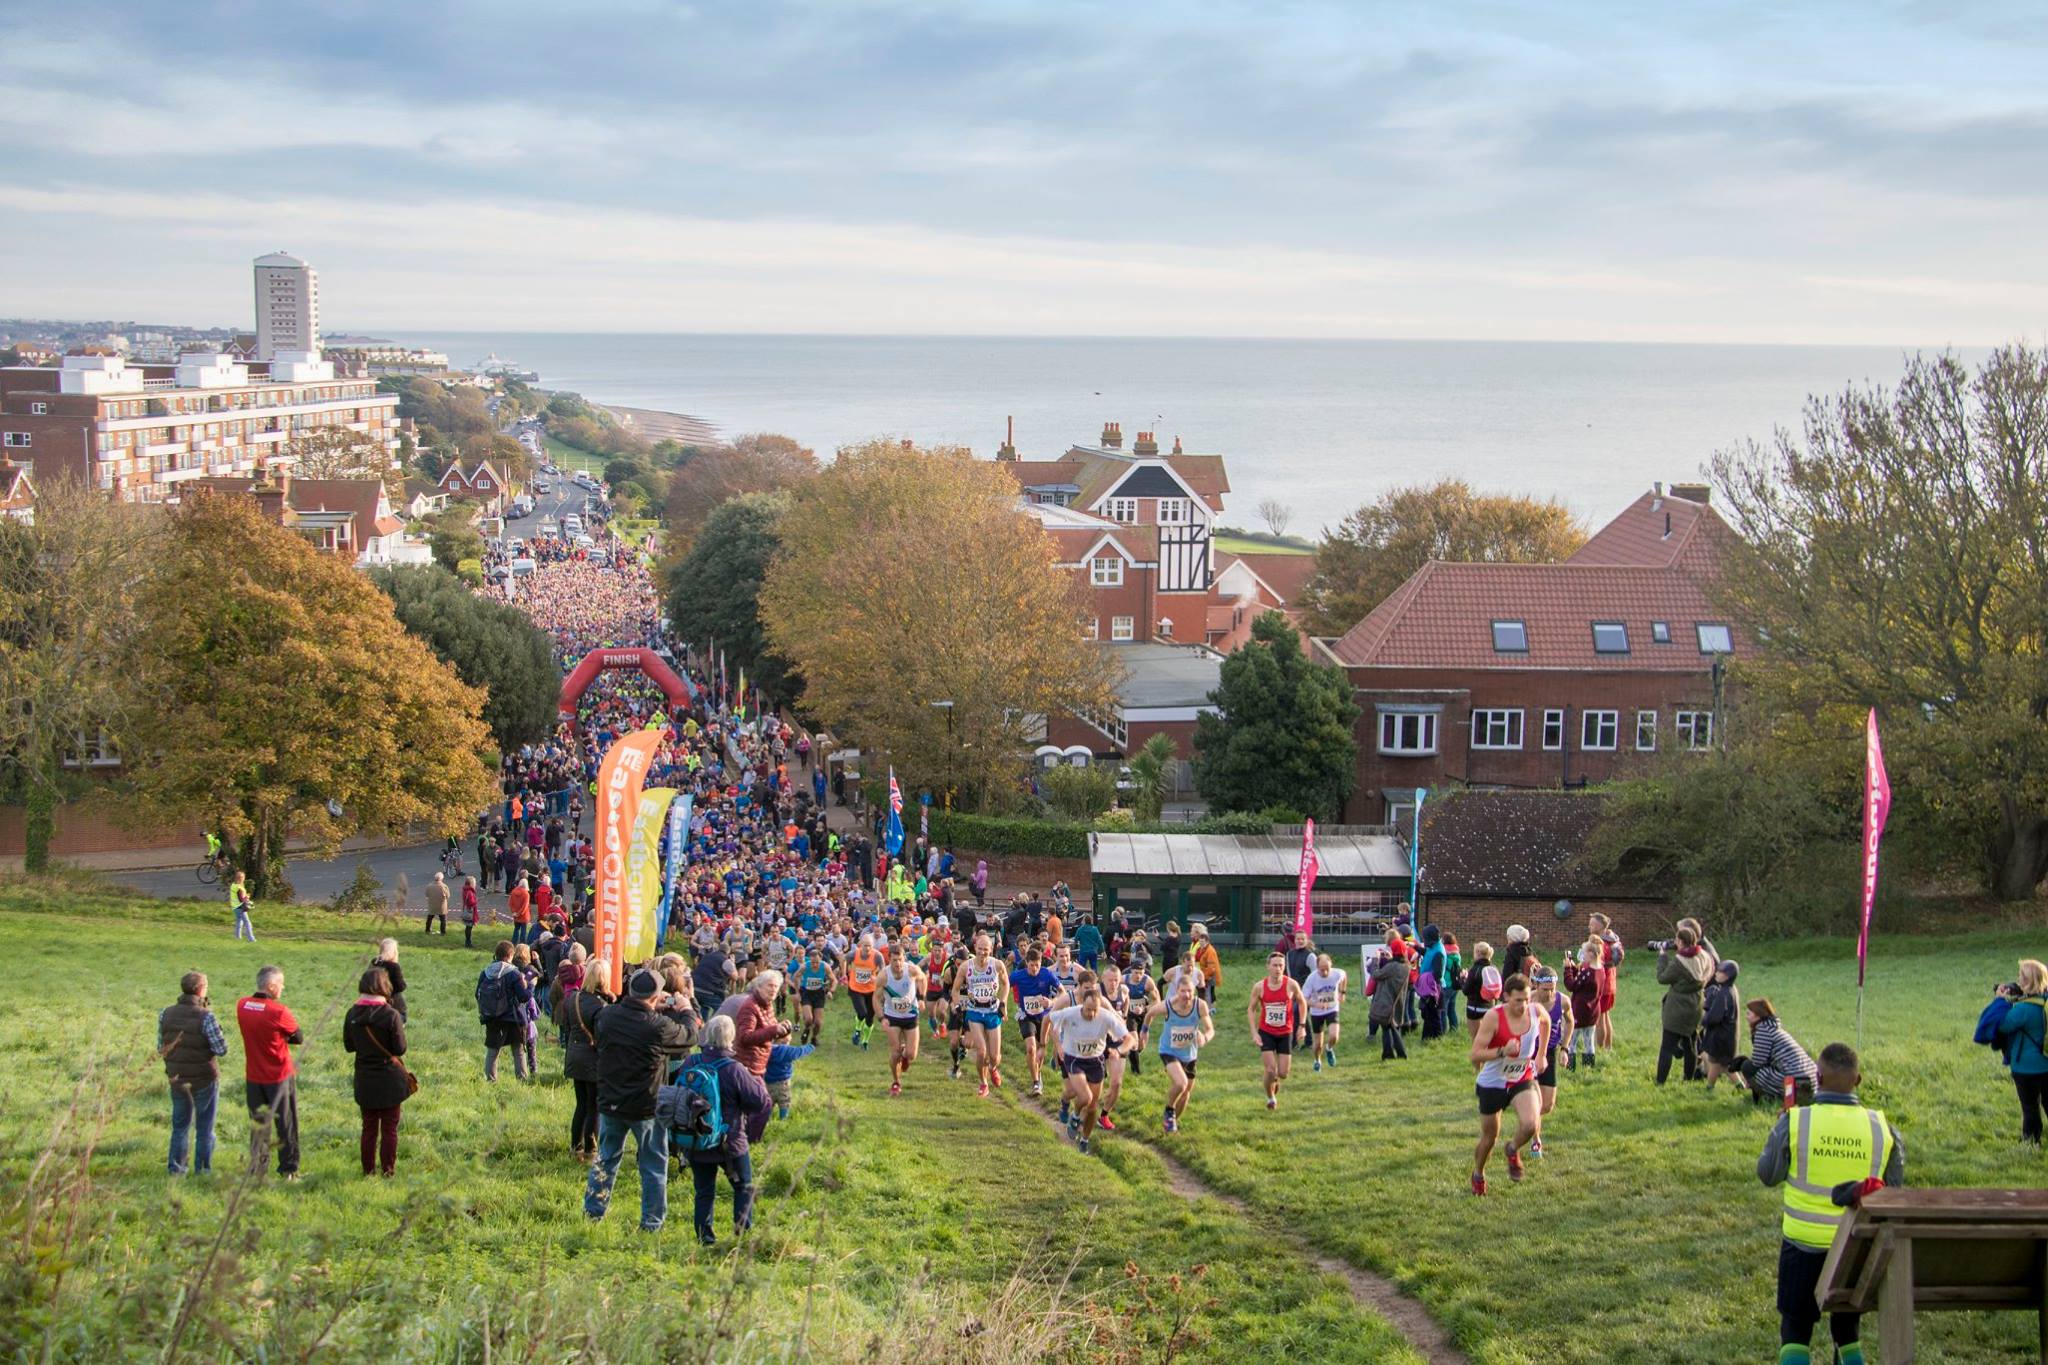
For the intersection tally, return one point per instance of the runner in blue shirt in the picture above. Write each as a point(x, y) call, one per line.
point(1034, 987)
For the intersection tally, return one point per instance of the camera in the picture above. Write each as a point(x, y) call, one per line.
point(1662, 945)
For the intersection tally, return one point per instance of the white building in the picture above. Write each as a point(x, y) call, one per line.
point(287, 308)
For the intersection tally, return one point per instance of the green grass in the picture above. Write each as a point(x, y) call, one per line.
point(570, 458)
point(1644, 1234)
point(919, 1217)
point(1258, 545)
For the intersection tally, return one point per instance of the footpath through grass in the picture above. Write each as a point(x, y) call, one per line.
point(937, 1225)
point(1643, 1235)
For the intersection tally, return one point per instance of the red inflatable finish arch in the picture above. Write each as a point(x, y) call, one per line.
point(646, 660)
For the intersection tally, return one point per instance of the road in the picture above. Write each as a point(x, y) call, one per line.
point(313, 879)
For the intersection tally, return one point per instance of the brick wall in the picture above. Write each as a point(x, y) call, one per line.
point(83, 830)
point(1486, 918)
point(1013, 872)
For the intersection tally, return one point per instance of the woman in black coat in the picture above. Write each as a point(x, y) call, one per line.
point(577, 1017)
point(375, 1033)
point(387, 958)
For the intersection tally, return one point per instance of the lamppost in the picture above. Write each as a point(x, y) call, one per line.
point(947, 707)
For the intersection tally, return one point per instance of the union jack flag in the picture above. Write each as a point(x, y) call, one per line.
point(892, 834)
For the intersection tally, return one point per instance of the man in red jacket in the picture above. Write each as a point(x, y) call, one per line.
point(269, 1032)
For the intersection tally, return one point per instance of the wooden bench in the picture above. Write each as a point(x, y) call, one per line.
point(1908, 1251)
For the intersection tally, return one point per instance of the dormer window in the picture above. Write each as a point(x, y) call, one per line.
point(1121, 509)
point(1106, 571)
point(1610, 637)
point(1172, 511)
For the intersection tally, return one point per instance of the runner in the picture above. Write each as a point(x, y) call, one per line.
point(1611, 954)
point(980, 985)
point(1325, 989)
point(1505, 1050)
point(1144, 994)
point(1546, 997)
point(1033, 987)
point(1275, 1013)
point(1116, 997)
point(863, 969)
point(1087, 1030)
point(902, 992)
point(1064, 967)
point(815, 983)
point(938, 984)
point(1184, 1026)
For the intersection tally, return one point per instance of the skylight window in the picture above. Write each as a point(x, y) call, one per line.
point(1660, 632)
point(1610, 637)
point(1716, 639)
point(1510, 637)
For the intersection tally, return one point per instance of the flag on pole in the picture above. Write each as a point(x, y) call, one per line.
point(1304, 909)
point(1415, 853)
point(892, 833)
point(740, 695)
point(639, 930)
point(674, 848)
point(620, 778)
point(1877, 805)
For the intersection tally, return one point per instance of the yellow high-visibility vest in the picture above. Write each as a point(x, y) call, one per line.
point(1831, 1143)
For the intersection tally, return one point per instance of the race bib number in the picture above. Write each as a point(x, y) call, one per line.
point(899, 1007)
point(1035, 1004)
point(1181, 1039)
point(1090, 1048)
point(1276, 1016)
point(981, 992)
point(1325, 1001)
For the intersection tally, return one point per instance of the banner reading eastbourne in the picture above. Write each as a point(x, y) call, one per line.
point(674, 848)
point(643, 874)
point(619, 780)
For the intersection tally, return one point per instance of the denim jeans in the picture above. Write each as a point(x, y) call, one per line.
point(740, 1171)
point(192, 1110)
point(243, 928)
point(651, 1140)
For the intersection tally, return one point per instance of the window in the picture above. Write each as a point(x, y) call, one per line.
point(1497, 729)
point(1695, 730)
point(1715, 639)
point(1660, 632)
point(1121, 509)
point(1610, 637)
point(1172, 510)
point(38, 409)
point(1121, 628)
point(93, 751)
point(1408, 732)
point(1510, 637)
point(1106, 571)
point(1599, 729)
point(1166, 626)
point(1091, 629)
point(1646, 731)
point(19, 439)
point(1553, 730)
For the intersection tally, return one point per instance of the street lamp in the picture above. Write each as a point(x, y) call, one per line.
point(947, 707)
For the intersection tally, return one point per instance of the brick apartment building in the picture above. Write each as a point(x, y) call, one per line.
point(1517, 676)
point(139, 431)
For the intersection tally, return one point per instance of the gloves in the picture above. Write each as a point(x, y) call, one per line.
point(1851, 1193)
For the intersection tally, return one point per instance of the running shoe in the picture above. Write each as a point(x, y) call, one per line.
point(1106, 1124)
point(1330, 1054)
point(942, 1030)
point(1478, 1183)
point(996, 1076)
point(1536, 1149)
point(1037, 1089)
point(856, 1037)
point(982, 1090)
point(1318, 1066)
point(1272, 1101)
point(895, 1087)
point(1084, 1146)
point(1514, 1165)
point(956, 1071)
point(1171, 1126)
point(1066, 1111)
point(1074, 1127)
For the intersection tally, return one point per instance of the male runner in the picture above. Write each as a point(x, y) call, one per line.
point(1087, 1030)
point(815, 982)
point(863, 969)
point(1275, 1013)
point(980, 986)
point(1033, 987)
point(902, 989)
point(1184, 1026)
point(1325, 989)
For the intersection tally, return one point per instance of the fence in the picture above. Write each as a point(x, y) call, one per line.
point(1341, 916)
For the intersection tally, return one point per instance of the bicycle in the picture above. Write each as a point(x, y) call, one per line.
point(211, 870)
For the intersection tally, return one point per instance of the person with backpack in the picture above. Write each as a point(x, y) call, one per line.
point(2020, 1032)
point(577, 1014)
point(716, 1099)
point(636, 1037)
point(502, 998)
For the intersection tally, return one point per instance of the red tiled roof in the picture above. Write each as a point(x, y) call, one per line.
point(1203, 473)
point(1072, 542)
point(1284, 574)
point(1035, 473)
point(1638, 535)
point(1442, 617)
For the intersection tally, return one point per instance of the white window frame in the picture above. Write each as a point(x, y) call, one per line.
point(1497, 727)
point(1700, 629)
point(1607, 723)
point(1123, 628)
point(1106, 571)
point(19, 440)
point(1695, 730)
point(1646, 732)
point(38, 409)
point(1553, 722)
point(1408, 732)
point(95, 751)
point(1174, 511)
point(1120, 509)
point(1094, 630)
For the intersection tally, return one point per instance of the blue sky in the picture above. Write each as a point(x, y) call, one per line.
point(1729, 172)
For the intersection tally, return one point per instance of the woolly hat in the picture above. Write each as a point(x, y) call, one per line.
point(1730, 966)
point(1517, 934)
point(643, 985)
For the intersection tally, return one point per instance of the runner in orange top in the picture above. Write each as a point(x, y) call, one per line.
point(863, 971)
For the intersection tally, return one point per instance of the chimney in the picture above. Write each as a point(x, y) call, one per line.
point(1112, 436)
point(1146, 444)
point(273, 495)
point(1176, 446)
point(1693, 492)
point(1008, 449)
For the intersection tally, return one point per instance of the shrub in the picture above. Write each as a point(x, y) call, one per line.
point(363, 894)
point(1079, 793)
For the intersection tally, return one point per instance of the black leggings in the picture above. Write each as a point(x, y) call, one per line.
point(2033, 1092)
point(1677, 1045)
point(583, 1123)
point(1798, 1309)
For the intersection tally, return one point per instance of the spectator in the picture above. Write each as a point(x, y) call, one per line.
point(238, 898)
point(578, 1014)
point(1512, 962)
point(469, 912)
point(437, 903)
point(756, 1029)
point(1205, 955)
point(374, 1030)
point(1774, 1055)
point(742, 1099)
point(1389, 983)
point(269, 1032)
point(635, 1038)
point(519, 904)
point(713, 976)
point(502, 996)
point(1717, 1022)
point(2022, 1033)
point(387, 958)
point(1682, 969)
point(189, 1040)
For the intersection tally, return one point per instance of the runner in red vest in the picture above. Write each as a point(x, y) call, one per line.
point(1507, 1052)
point(1278, 1015)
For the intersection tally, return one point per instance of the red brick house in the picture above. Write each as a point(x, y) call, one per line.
point(17, 491)
point(481, 484)
point(1509, 676)
point(347, 517)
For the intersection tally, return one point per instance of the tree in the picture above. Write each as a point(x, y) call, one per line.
point(1150, 768)
point(69, 583)
point(1281, 733)
point(339, 453)
point(279, 689)
point(1276, 514)
point(1079, 793)
point(907, 577)
point(757, 463)
point(1895, 555)
point(452, 535)
point(1375, 549)
point(490, 644)
point(714, 592)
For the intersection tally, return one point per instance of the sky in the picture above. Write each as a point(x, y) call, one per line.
point(1738, 172)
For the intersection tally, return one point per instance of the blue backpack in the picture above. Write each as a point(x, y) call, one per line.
point(1988, 1022)
point(693, 1108)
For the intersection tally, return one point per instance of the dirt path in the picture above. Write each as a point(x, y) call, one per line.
point(1372, 1290)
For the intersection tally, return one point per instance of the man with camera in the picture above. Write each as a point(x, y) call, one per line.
point(636, 1037)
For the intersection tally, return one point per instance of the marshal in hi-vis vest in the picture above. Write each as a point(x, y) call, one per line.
point(1831, 1144)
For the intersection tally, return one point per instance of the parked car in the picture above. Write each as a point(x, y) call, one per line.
point(522, 566)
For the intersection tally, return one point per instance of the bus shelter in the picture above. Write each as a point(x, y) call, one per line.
point(1243, 886)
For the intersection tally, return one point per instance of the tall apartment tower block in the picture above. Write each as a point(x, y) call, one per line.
point(287, 309)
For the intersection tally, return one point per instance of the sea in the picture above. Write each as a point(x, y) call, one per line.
point(1318, 426)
